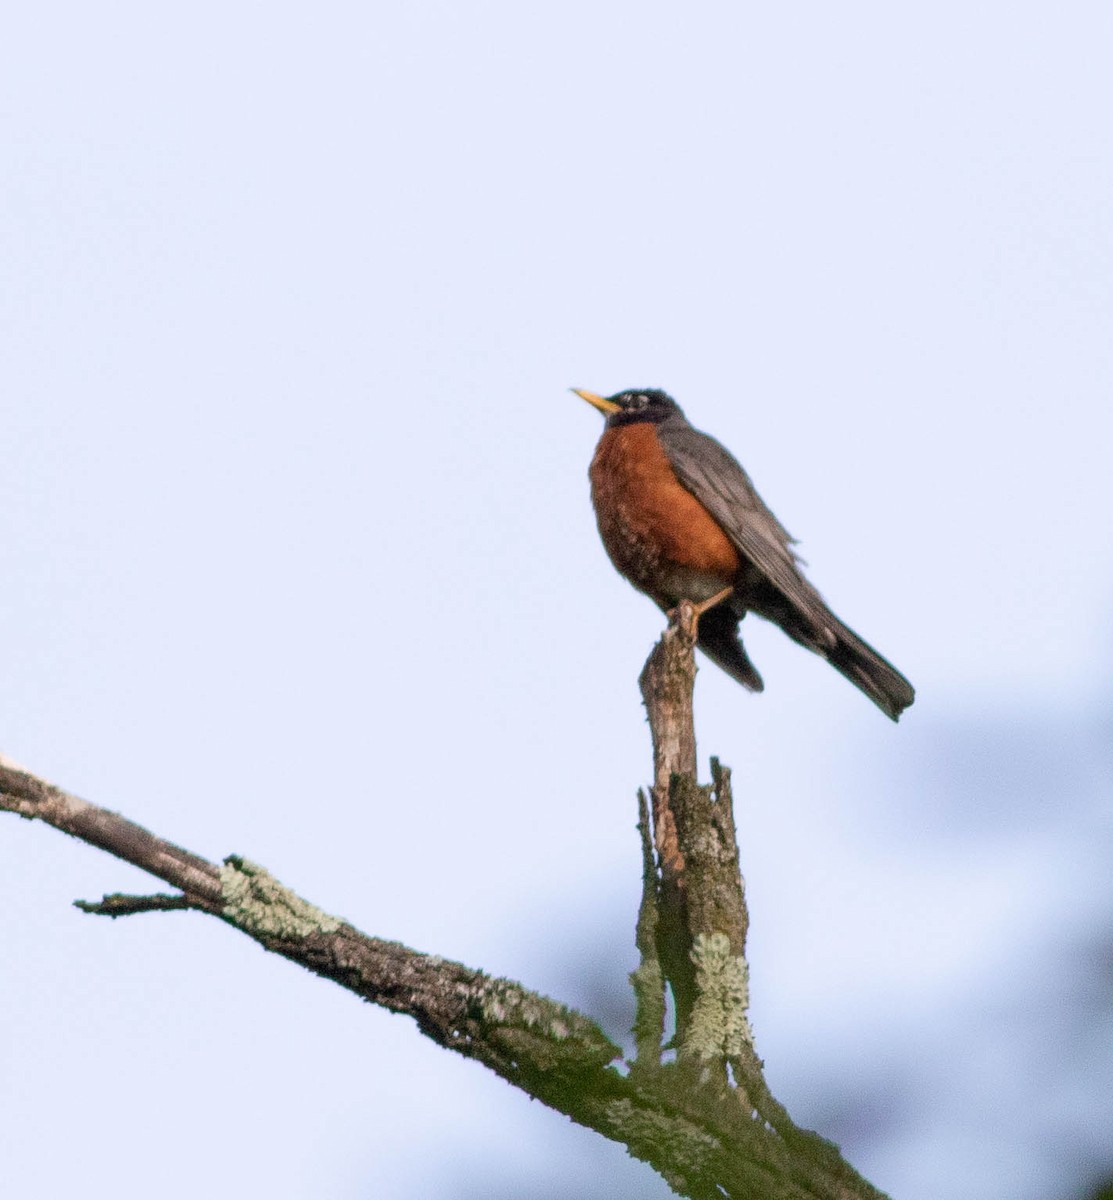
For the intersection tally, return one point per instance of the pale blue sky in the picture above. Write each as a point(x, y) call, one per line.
point(299, 563)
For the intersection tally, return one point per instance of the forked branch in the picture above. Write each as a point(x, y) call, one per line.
point(706, 1122)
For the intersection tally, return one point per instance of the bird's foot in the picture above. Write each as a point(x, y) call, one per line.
point(704, 606)
point(687, 613)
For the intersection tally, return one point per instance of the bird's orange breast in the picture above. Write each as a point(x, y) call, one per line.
point(656, 532)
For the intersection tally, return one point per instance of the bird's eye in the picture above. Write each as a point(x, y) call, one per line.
point(638, 401)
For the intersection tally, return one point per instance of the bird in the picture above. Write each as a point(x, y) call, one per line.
point(680, 519)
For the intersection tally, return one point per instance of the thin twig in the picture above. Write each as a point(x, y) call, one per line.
point(647, 980)
point(121, 905)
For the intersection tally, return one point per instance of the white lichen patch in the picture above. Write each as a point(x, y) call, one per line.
point(260, 905)
point(719, 1027)
point(505, 1003)
point(649, 1133)
point(510, 1011)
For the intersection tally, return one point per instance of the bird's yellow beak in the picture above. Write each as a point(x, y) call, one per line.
point(599, 402)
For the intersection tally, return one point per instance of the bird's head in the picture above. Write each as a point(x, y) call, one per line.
point(636, 404)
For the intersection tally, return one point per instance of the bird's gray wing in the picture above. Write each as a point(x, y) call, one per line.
point(717, 480)
point(715, 477)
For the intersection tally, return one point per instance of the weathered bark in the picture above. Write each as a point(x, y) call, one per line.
point(694, 905)
point(698, 887)
point(706, 1122)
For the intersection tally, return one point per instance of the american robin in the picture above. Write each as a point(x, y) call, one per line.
point(680, 519)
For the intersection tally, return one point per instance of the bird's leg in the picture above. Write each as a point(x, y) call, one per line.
point(697, 610)
point(718, 598)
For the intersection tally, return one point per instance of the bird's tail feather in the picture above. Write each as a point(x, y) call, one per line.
point(859, 662)
point(855, 659)
point(718, 639)
point(821, 632)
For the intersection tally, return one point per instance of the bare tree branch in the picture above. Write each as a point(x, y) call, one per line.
point(706, 1122)
point(35, 799)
